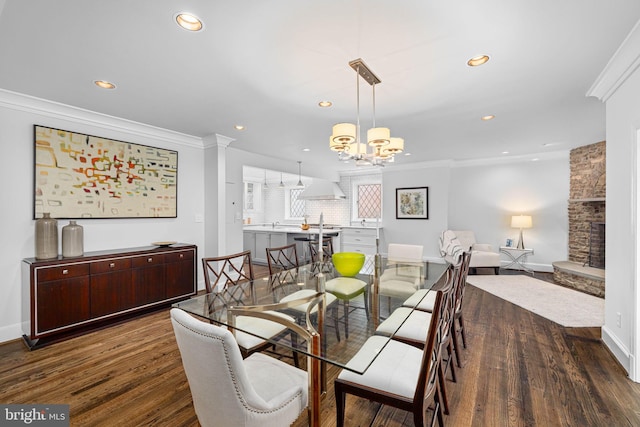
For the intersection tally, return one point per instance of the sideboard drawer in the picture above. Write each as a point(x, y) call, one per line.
point(179, 256)
point(147, 260)
point(60, 272)
point(107, 266)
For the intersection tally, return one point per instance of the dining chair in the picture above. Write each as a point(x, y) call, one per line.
point(411, 327)
point(226, 390)
point(402, 376)
point(327, 251)
point(424, 300)
point(344, 288)
point(284, 269)
point(401, 279)
point(231, 277)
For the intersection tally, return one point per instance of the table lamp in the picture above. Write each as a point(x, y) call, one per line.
point(521, 221)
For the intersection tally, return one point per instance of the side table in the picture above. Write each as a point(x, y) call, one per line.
point(517, 258)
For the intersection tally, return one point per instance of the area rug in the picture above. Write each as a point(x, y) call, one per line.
point(564, 306)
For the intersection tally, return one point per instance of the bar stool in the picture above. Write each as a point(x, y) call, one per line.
point(305, 244)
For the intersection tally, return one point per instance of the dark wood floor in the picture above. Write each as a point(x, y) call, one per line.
point(519, 370)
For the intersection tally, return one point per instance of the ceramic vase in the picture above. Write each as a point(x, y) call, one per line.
point(72, 240)
point(46, 237)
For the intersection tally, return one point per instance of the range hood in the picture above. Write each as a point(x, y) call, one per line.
point(322, 189)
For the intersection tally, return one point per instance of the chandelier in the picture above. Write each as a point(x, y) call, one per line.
point(345, 139)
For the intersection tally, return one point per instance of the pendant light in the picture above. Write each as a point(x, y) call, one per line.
point(379, 147)
point(281, 185)
point(265, 185)
point(300, 184)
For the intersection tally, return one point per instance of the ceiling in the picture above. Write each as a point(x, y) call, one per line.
point(267, 64)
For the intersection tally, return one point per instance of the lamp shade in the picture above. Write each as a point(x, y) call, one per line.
point(357, 148)
point(378, 136)
point(344, 133)
point(396, 145)
point(336, 145)
point(521, 221)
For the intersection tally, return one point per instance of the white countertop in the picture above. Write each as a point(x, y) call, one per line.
point(288, 229)
point(297, 229)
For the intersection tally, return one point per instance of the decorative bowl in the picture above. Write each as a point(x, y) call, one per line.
point(304, 226)
point(348, 264)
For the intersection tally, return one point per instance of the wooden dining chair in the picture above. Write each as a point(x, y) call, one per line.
point(412, 327)
point(423, 300)
point(231, 278)
point(327, 251)
point(284, 269)
point(402, 376)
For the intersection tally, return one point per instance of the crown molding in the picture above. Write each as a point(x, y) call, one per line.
point(58, 111)
point(624, 62)
point(553, 155)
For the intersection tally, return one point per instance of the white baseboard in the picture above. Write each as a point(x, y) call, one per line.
point(11, 332)
point(617, 348)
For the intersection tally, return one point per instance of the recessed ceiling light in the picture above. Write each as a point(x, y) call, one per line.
point(189, 22)
point(407, 154)
point(306, 149)
point(505, 152)
point(488, 117)
point(478, 60)
point(325, 104)
point(104, 84)
point(535, 159)
point(239, 127)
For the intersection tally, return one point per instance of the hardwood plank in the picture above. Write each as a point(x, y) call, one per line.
point(519, 370)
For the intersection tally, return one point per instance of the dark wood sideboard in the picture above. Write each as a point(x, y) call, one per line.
point(66, 297)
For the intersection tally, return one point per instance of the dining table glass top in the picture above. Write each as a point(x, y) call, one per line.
point(306, 285)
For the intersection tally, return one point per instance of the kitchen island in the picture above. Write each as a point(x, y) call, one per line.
point(257, 238)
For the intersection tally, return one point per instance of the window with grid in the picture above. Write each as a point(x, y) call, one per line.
point(297, 207)
point(368, 200)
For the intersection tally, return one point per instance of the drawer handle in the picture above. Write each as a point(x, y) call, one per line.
point(113, 264)
point(149, 259)
point(357, 240)
point(65, 271)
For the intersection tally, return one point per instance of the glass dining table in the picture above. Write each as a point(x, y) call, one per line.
point(301, 291)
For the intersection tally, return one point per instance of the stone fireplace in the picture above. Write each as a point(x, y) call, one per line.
point(584, 269)
point(597, 245)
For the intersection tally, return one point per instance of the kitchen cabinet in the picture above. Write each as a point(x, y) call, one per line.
point(361, 240)
point(266, 240)
point(65, 297)
point(249, 242)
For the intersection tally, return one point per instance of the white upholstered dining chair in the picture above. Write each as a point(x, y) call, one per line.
point(400, 280)
point(258, 391)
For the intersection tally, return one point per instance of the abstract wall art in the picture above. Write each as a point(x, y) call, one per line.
point(412, 203)
point(84, 176)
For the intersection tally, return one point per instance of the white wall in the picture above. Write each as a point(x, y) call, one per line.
point(619, 85)
point(485, 194)
point(18, 114)
point(416, 231)
point(623, 121)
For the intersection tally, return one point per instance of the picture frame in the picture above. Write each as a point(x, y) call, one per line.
point(412, 203)
point(509, 243)
point(81, 176)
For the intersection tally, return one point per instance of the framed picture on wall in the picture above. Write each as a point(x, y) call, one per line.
point(412, 203)
point(79, 176)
